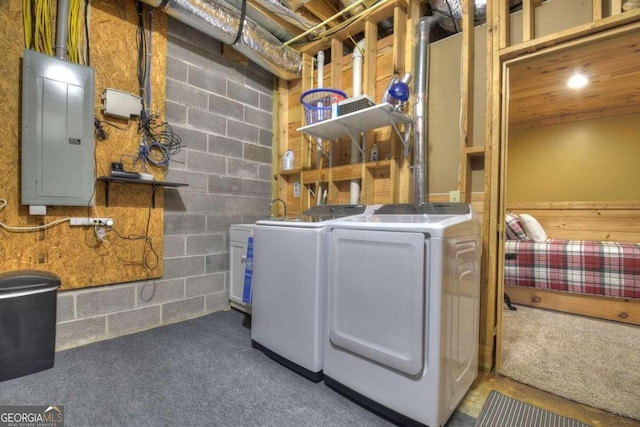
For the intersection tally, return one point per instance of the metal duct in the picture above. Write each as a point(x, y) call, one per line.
point(221, 21)
point(421, 124)
point(62, 29)
point(265, 22)
point(290, 16)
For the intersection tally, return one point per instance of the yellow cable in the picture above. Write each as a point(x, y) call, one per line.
point(72, 39)
point(27, 23)
point(71, 33)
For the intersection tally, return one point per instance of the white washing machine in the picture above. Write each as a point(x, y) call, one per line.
point(289, 270)
point(403, 298)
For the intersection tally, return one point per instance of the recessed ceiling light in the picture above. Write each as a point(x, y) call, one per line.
point(577, 81)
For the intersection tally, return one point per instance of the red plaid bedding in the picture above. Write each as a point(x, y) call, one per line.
point(599, 268)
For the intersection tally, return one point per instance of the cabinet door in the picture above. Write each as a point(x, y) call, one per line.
point(238, 262)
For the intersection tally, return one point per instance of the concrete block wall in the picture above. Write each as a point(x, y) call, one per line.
point(222, 110)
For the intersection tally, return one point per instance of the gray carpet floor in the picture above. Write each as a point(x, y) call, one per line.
point(201, 372)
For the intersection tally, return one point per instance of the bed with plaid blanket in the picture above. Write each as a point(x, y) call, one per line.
point(585, 267)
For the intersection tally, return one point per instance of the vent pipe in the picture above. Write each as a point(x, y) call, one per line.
point(221, 21)
point(421, 107)
point(62, 29)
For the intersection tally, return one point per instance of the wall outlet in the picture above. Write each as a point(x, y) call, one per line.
point(454, 196)
point(92, 221)
point(296, 189)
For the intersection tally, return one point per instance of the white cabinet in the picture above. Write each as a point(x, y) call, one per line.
point(239, 235)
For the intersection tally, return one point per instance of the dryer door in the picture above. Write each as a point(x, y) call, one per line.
point(376, 296)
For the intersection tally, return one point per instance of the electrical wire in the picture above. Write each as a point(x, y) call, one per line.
point(326, 34)
point(3, 204)
point(100, 133)
point(27, 23)
point(159, 142)
point(43, 38)
point(87, 44)
point(35, 227)
point(150, 257)
point(141, 40)
point(38, 18)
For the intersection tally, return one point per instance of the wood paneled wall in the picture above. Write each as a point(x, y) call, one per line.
point(600, 221)
point(75, 254)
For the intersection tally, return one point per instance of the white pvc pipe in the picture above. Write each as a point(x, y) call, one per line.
point(320, 69)
point(357, 68)
point(320, 85)
point(357, 58)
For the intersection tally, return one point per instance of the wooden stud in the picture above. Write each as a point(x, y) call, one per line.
point(466, 107)
point(597, 9)
point(528, 20)
point(616, 7)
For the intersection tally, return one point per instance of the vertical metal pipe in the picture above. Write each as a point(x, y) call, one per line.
point(421, 124)
point(62, 29)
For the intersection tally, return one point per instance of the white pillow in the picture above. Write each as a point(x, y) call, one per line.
point(532, 228)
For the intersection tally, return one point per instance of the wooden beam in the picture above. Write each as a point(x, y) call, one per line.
point(502, 22)
point(323, 10)
point(575, 33)
point(378, 12)
point(305, 141)
point(597, 9)
point(491, 318)
point(466, 137)
point(280, 135)
point(528, 20)
point(400, 62)
point(616, 7)
point(369, 69)
point(337, 52)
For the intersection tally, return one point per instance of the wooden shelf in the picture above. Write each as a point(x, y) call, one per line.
point(477, 151)
point(343, 172)
point(380, 164)
point(154, 186)
point(289, 172)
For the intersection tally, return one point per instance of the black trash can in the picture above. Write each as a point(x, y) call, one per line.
point(27, 322)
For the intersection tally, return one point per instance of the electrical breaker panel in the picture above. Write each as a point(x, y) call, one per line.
point(58, 97)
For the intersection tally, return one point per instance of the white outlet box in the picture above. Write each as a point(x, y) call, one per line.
point(454, 196)
point(92, 221)
point(296, 189)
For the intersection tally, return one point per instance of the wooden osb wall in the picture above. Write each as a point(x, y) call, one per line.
point(75, 254)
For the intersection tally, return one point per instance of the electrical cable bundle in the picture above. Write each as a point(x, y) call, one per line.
point(77, 21)
point(158, 142)
point(37, 18)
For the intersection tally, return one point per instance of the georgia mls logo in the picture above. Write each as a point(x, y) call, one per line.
point(32, 416)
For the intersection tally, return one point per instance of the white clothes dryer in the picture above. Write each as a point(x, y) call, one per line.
point(403, 299)
point(289, 270)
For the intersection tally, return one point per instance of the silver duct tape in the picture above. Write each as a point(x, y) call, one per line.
point(263, 20)
point(221, 21)
point(291, 16)
point(266, 51)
